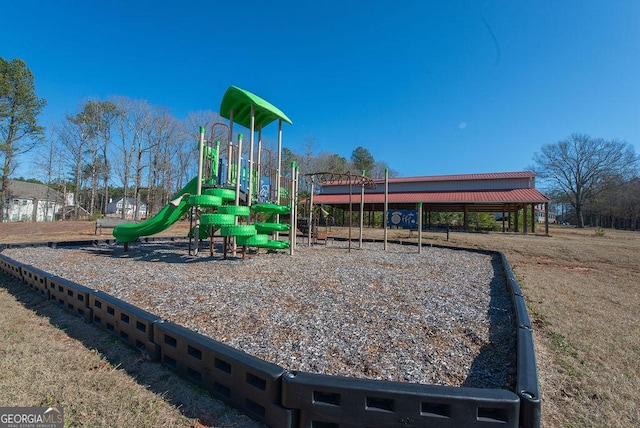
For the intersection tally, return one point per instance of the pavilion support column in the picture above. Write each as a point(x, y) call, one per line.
point(510, 216)
point(516, 213)
point(466, 218)
point(524, 219)
point(429, 218)
point(533, 218)
point(503, 214)
point(546, 218)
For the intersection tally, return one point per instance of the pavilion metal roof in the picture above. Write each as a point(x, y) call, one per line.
point(490, 200)
point(462, 177)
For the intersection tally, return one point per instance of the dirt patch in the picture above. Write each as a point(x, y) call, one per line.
point(11, 233)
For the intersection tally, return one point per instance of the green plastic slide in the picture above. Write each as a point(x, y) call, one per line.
point(161, 221)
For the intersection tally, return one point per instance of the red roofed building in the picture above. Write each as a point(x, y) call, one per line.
point(506, 192)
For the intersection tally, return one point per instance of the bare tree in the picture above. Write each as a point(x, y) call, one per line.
point(91, 169)
point(378, 170)
point(74, 135)
point(170, 142)
point(185, 156)
point(207, 118)
point(161, 137)
point(307, 159)
point(106, 113)
point(582, 167)
point(139, 123)
point(630, 204)
point(49, 166)
point(124, 159)
point(618, 206)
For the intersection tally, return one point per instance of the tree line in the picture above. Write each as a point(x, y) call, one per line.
point(125, 147)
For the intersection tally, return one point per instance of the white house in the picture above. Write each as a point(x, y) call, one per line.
point(117, 206)
point(540, 215)
point(33, 202)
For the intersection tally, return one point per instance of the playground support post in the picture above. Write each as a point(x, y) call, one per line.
point(386, 206)
point(216, 165)
point(310, 211)
point(259, 162)
point(295, 199)
point(196, 229)
point(350, 207)
point(238, 173)
point(361, 211)
point(251, 146)
point(294, 214)
point(229, 147)
point(419, 227)
point(278, 170)
point(238, 168)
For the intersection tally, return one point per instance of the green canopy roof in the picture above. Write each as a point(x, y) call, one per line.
point(240, 101)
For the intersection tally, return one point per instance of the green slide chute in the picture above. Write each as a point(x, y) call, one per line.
point(161, 221)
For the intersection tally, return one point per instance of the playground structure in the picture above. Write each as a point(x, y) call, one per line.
point(213, 198)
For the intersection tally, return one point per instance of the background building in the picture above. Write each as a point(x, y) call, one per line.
point(27, 201)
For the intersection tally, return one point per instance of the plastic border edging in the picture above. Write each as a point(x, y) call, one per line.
point(527, 386)
point(334, 401)
point(11, 267)
point(71, 296)
point(244, 381)
point(125, 321)
point(36, 279)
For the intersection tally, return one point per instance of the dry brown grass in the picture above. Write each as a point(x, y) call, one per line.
point(49, 357)
point(582, 292)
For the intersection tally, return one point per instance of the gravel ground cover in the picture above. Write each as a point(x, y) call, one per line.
point(441, 317)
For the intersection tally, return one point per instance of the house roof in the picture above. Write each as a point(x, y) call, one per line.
point(27, 190)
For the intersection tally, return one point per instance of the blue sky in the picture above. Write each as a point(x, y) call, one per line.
point(430, 87)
